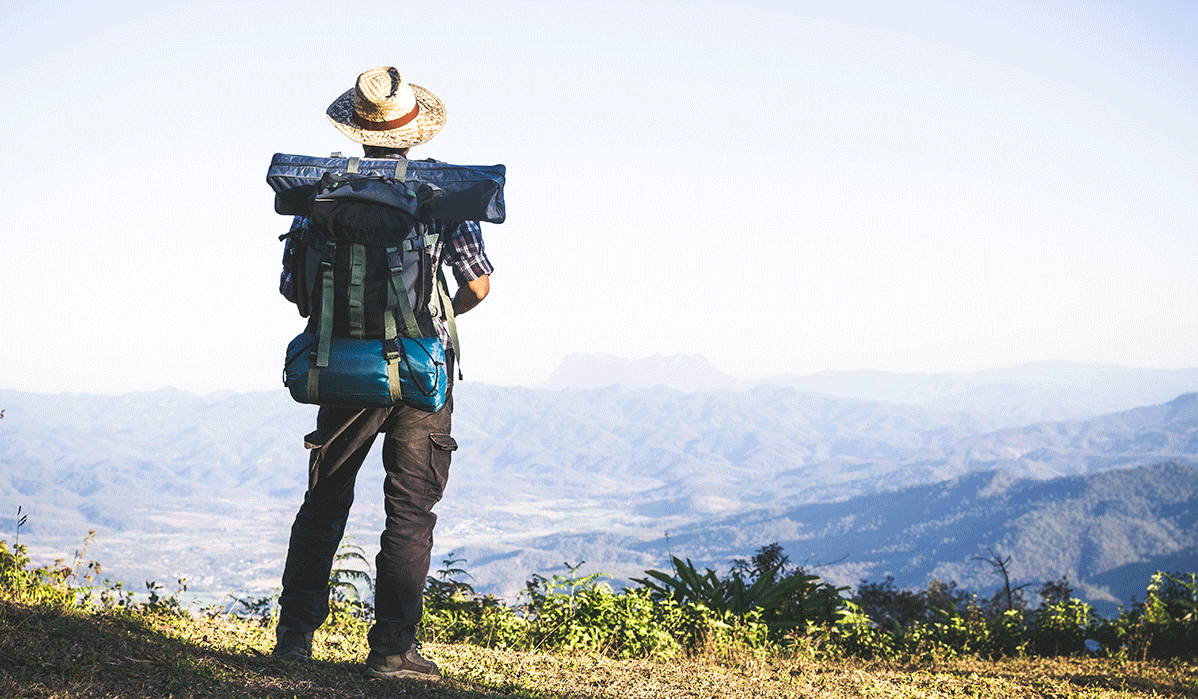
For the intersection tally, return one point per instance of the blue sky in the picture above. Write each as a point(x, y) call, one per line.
point(781, 187)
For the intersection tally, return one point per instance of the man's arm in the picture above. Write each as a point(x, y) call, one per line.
point(471, 293)
point(466, 257)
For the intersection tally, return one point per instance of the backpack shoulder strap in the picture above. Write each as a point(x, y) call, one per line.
point(450, 323)
point(397, 295)
point(325, 335)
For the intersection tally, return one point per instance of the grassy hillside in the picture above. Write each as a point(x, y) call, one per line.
point(61, 636)
point(49, 651)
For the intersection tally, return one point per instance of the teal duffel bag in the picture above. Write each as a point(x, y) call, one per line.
point(368, 372)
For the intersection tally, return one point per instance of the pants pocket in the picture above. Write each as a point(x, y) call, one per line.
point(440, 452)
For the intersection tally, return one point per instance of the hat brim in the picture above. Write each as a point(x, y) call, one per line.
point(420, 130)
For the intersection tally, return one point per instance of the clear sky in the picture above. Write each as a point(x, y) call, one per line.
point(781, 187)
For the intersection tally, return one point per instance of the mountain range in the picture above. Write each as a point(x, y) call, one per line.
point(1037, 391)
point(205, 486)
point(1106, 532)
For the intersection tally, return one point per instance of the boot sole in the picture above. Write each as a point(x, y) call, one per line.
point(401, 674)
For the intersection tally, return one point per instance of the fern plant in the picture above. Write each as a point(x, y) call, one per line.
point(351, 569)
point(785, 600)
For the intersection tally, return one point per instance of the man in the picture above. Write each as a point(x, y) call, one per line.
point(387, 116)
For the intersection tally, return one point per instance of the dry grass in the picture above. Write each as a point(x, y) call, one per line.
point(555, 675)
point(48, 652)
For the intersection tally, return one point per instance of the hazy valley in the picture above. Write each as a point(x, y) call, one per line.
point(828, 465)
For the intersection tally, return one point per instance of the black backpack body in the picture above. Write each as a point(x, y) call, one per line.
point(353, 223)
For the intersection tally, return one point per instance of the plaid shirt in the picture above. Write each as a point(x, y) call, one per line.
point(459, 245)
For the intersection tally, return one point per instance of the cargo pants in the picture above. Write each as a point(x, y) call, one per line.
point(417, 448)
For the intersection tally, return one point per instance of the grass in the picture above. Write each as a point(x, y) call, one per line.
point(49, 650)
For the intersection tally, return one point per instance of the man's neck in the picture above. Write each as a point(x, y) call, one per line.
point(383, 152)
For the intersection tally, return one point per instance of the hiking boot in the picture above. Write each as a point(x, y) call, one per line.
point(406, 664)
point(292, 645)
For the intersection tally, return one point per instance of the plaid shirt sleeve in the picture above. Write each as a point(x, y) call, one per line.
point(464, 249)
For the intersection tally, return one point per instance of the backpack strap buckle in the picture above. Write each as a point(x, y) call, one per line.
point(421, 241)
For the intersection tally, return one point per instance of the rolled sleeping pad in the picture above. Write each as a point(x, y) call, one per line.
point(466, 192)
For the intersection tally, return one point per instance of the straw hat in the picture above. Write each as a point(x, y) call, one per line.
point(384, 110)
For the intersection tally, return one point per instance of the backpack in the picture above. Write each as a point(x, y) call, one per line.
point(362, 275)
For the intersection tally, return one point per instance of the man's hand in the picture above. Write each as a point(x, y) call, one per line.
point(470, 294)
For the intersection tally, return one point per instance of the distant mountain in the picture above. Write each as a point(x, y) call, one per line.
point(1108, 532)
point(1043, 450)
point(1022, 394)
point(682, 372)
point(640, 445)
point(1097, 529)
point(108, 460)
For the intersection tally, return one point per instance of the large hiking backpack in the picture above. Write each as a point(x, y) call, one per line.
point(364, 279)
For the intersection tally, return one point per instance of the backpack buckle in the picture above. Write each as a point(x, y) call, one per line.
point(420, 241)
point(391, 349)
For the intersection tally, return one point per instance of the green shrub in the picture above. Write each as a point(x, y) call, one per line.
point(855, 634)
point(783, 600)
point(1061, 628)
point(1165, 624)
point(584, 613)
point(45, 585)
point(482, 620)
